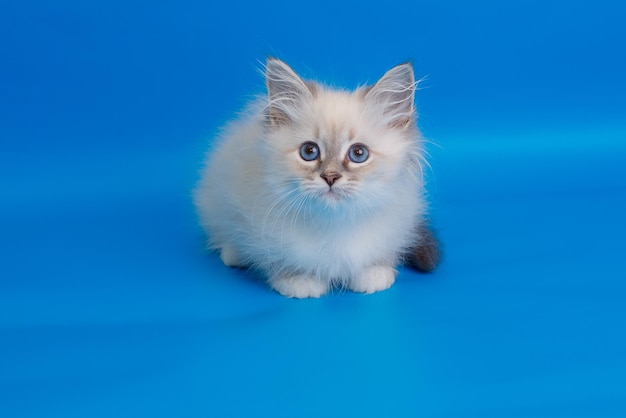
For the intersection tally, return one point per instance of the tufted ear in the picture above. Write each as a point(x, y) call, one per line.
point(286, 91)
point(393, 96)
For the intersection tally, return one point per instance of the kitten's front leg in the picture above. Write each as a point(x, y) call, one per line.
point(299, 286)
point(373, 279)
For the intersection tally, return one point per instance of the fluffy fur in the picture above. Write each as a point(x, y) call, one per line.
point(264, 207)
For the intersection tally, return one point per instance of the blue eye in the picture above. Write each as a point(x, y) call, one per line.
point(309, 151)
point(358, 153)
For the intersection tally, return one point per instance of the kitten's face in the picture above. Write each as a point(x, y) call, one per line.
point(337, 148)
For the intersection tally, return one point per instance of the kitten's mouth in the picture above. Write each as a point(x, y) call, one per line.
point(333, 194)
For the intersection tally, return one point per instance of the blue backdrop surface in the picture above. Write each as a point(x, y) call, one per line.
point(110, 307)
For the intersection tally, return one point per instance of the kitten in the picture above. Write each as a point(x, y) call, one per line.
point(317, 188)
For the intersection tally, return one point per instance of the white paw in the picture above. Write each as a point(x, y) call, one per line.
point(373, 279)
point(230, 257)
point(299, 286)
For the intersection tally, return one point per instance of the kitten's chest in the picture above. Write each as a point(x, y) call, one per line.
point(334, 244)
point(344, 242)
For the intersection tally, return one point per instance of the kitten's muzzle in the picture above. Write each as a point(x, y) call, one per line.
point(330, 177)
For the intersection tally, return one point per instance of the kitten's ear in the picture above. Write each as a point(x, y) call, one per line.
point(393, 94)
point(286, 91)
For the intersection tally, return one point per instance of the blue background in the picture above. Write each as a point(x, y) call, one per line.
point(110, 307)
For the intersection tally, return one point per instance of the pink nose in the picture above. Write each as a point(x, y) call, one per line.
point(331, 177)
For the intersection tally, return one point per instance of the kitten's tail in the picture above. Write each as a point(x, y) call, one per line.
point(426, 255)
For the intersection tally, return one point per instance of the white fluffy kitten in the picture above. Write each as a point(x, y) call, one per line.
point(317, 187)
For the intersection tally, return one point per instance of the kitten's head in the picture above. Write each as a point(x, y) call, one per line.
point(335, 147)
